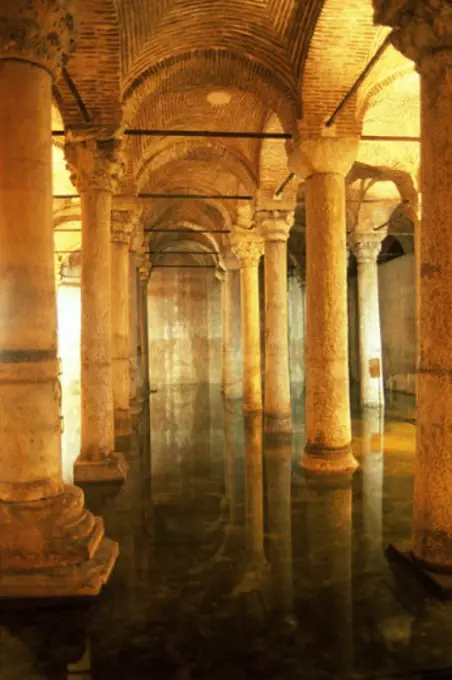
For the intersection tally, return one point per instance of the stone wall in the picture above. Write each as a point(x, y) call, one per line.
point(396, 280)
point(184, 326)
point(398, 323)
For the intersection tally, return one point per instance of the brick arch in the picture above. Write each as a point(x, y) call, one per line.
point(95, 65)
point(343, 41)
point(159, 156)
point(204, 241)
point(214, 212)
point(220, 68)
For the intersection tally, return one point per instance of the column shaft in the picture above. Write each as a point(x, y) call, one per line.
point(232, 354)
point(277, 381)
point(432, 528)
point(49, 544)
point(133, 340)
point(120, 334)
point(370, 353)
point(328, 426)
point(251, 347)
point(30, 443)
point(97, 426)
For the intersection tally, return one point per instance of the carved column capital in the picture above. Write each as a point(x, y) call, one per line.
point(366, 246)
point(322, 153)
point(275, 225)
point(145, 269)
point(248, 249)
point(95, 163)
point(422, 29)
point(38, 31)
point(125, 220)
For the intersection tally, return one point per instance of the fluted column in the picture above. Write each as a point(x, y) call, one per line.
point(49, 544)
point(324, 162)
point(366, 247)
point(232, 350)
point(96, 166)
point(423, 32)
point(275, 228)
point(247, 246)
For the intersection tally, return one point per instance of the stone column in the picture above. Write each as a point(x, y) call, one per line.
point(366, 247)
point(96, 167)
point(133, 334)
point(50, 545)
point(324, 162)
point(121, 229)
point(423, 33)
point(275, 228)
point(247, 246)
point(232, 350)
point(145, 271)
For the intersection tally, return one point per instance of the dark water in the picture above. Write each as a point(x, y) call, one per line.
point(236, 565)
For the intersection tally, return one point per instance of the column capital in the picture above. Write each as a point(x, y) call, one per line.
point(40, 32)
point(275, 225)
point(248, 247)
point(366, 246)
point(125, 220)
point(95, 162)
point(422, 28)
point(322, 152)
point(145, 269)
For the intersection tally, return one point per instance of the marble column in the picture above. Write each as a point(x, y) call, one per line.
point(232, 350)
point(366, 247)
point(247, 246)
point(275, 228)
point(133, 333)
point(96, 166)
point(50, 545)
point(121, 229)
point(423, 33)
point(145, 271)
point(324, 162)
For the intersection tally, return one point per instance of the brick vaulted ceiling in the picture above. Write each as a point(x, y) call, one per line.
point(241, 65)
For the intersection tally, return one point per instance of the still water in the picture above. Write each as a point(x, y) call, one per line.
point(234, 564)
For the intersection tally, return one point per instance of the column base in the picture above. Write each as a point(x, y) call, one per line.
point(328, 461)
point(123, 422)
point(113, 468)
point(53, 548)
point(437, 582)
point(277, 424)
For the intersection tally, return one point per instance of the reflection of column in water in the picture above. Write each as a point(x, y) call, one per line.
point(81, 669)
point(372, 466)
point(233, 458)
point(278, 467)
point(254, 510)
point(329, 538)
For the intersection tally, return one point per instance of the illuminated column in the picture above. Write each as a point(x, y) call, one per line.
point(136, 244)
point(275, 227)
point(96, 166)
point(121, 230)
point(366, 247)
point(247, 246)
point(324, 162)
point(424, 33)
point(232, 350)
point(145, 271)
point(49, 544)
